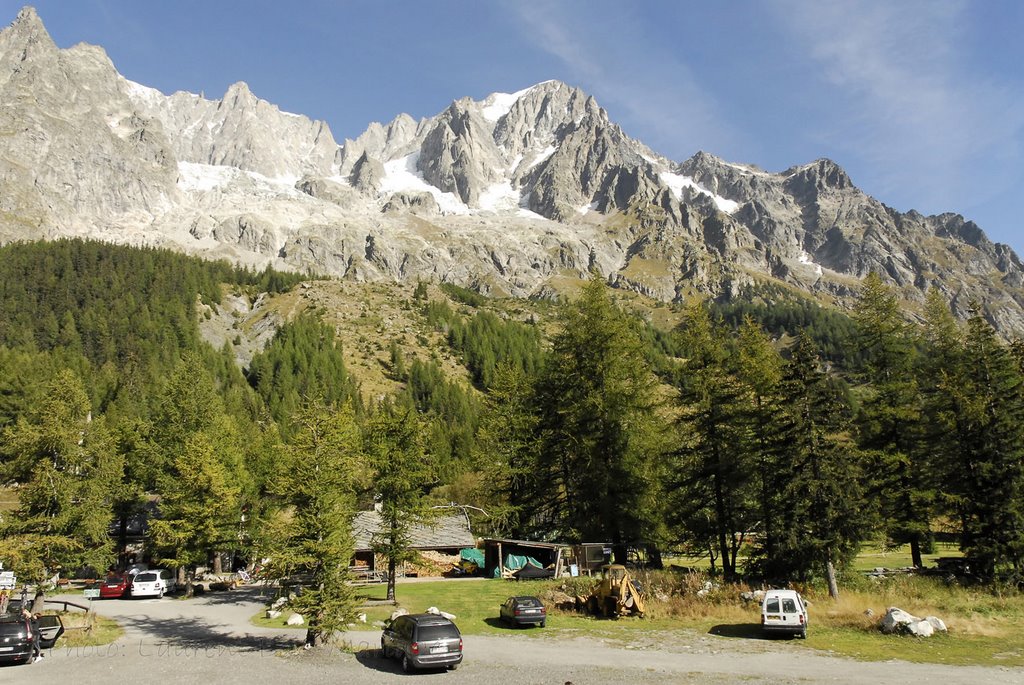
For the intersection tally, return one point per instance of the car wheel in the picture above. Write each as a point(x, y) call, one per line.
point(452, 667)
point(160, 595)
point(543, 623)
point(803, 634)
point(406, 664)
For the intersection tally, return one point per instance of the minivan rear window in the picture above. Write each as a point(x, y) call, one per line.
point(145, 577)
point(437, 632)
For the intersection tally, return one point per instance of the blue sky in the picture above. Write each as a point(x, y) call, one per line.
point(921, 101)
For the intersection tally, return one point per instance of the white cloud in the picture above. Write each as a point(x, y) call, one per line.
point(927, 127)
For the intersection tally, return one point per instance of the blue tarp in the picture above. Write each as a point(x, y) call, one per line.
point(515, 562)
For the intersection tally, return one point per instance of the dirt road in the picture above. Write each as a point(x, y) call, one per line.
point(209, 639)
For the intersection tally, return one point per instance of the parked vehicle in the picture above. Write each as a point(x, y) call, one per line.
point(16, 636)
point(784, 611)
point(115, 586)
point(617, 594)
point(153, 583)
point(523, 611)
point(422, 641)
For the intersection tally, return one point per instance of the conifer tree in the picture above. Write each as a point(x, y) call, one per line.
point(197, 506)
point(986, 476)
point(402, 470)
point(69, 472)
point(713, 472)
point(509, 446)
point(825, 517)
point(310, 530)
point(890, 417)
point(600, 427)
point(759, 372)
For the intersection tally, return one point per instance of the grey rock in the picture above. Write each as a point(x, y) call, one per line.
point(514, 195)
point(367, 173)
point(414, 203)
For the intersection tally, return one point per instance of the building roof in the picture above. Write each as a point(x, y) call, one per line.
point(525, 543)
point(447, 531)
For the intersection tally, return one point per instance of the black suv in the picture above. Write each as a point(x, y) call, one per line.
point(16, 635)
point(422, 641)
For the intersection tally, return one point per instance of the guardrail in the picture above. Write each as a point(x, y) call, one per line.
point(66, 603)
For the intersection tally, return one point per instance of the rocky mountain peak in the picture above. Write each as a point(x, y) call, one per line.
point(512, 194)
point(28, 27)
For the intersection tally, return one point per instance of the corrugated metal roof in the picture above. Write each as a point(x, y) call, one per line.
point(445, 531)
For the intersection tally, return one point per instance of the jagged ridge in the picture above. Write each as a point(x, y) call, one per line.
point(511, 195)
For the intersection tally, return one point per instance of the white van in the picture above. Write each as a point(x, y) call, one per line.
point(153, 583)
point(784, 611)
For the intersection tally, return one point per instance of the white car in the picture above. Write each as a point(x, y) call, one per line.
point(784, 611)
point(153, 583)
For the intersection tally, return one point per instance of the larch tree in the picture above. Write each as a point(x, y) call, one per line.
point(600, 427)
point(309, 531)
point(889, 421)
point(69, 472)
point(713, 475)
point(402, 471)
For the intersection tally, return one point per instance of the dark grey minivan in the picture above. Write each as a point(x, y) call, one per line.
point(422, 641)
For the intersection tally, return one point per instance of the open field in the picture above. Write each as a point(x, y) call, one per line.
point(983, 624)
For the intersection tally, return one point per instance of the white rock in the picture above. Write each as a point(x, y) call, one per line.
point(295, 620)
point(362, 618)
point(921, 629)
point(399, 612)
point(899, 621)
point(438, 612)
point(271, 613)
point(896, 620)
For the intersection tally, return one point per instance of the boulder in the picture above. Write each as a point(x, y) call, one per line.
point(897, 621)
point(295, 620)
point(279, 602)
point(438, 612)
point(271, 613)
point(399, 612)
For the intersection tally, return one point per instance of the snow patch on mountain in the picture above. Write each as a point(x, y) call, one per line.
point(805, 258)
point(676, 182)
point(497, 105)
point(203, 178)
point(499, 197)
point(402, 175)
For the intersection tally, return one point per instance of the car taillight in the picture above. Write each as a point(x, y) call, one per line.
point(801, 619)
point(414, 648)
point(460, 644)
point(518, 611)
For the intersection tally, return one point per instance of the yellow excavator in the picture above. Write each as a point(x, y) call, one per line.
point(615, 595)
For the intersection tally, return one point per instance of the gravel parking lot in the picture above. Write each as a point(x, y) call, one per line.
point(210, 639)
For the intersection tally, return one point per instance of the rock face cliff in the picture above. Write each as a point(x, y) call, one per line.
point(512, 195)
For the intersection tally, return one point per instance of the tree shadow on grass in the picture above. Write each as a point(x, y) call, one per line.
point(747, 631)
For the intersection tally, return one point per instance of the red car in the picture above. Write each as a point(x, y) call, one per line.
point(115, 587)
